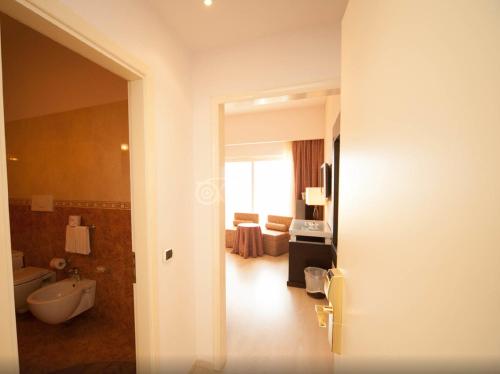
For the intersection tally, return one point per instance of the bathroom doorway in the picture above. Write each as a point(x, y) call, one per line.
point(67, 152)
point(52, 20)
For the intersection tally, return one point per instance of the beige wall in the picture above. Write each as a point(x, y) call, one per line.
point(257, 150)
point(74, 155)
point(420, 203)
point(289, 124)
point(141, 32)
point(37, 89)
point(332, 110)
point(285, 60)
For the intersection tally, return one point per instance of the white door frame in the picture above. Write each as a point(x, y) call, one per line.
point(218, 221)
point(53, 19)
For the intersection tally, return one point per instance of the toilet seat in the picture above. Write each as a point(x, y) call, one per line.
point(27, 274)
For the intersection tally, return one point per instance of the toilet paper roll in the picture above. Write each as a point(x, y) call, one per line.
point(57, 263)
point(74, 221)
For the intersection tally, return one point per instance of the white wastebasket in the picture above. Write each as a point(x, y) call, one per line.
point(315, 278)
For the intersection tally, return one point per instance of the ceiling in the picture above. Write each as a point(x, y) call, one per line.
point(229, 22)
point(287, 101)
point(245, 107)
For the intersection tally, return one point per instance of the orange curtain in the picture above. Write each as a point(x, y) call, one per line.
point(308, 155)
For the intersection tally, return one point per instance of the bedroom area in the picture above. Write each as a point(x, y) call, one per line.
point(278, 177)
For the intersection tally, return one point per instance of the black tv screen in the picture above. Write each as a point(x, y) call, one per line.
point(326, 179)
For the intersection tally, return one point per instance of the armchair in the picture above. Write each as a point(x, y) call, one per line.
point(275, 235)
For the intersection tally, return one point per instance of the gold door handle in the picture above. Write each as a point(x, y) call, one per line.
point(322, 313)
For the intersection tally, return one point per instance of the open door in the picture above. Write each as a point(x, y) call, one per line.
point(8, 336)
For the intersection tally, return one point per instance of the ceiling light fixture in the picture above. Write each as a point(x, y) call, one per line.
point(244, 105)
point(271, 100)
point(208, 2)
point(124, 147)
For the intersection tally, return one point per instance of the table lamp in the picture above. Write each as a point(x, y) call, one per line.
point(314, 196)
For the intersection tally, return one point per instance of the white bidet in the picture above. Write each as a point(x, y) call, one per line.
point(62, 300)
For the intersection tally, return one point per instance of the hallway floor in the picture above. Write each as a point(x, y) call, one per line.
point(271, 327)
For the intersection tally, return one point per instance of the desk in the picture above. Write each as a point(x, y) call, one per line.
point(310, 245)
point(309, 228)
point(248, 240)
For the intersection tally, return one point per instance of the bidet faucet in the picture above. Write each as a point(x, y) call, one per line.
point(75, 273)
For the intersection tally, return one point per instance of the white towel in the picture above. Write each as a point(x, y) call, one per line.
point(78, 240)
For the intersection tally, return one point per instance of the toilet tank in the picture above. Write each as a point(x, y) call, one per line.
point(17, 260)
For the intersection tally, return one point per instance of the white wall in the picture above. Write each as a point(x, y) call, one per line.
point(257, 150)
point(289, 124)
point(279, 61)
point(136, 29)
point(420, 203)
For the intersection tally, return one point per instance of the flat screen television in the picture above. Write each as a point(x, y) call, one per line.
point(326, 179)
point(335, 188)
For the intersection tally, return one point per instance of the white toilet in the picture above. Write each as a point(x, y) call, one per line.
point(27, 280)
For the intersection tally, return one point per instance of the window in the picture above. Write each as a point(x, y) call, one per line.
point(238, 189)
point(259, 186)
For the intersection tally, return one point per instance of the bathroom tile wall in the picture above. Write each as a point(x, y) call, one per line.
point(77, 157)
point(74, 155)
point(41, 236)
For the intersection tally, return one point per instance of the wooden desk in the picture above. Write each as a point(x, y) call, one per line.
point(310, 245)
point(304, 254)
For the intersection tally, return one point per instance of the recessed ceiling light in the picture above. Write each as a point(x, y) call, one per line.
point(124, 147)
point(208, 2)
point(271, 100)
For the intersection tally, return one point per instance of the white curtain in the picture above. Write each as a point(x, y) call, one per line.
point(261, 184)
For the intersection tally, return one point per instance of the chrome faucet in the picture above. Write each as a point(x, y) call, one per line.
point(75, 273)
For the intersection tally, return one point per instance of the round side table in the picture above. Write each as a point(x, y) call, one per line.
point(248, 240)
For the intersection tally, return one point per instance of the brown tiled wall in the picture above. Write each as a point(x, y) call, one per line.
point(41, 236)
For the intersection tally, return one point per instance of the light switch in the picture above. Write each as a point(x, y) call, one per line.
point(167, 254)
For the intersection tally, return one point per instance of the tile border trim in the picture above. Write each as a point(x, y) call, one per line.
point(87, 204)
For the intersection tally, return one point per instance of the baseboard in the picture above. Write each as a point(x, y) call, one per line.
point(202, 367)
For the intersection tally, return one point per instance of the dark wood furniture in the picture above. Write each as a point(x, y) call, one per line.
point(307, 253)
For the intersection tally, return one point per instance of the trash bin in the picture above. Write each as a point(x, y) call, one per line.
point(315, 278)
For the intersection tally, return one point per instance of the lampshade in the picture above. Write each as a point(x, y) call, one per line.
point(314, 196)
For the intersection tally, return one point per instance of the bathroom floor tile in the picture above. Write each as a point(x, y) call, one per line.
point(85, 344)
